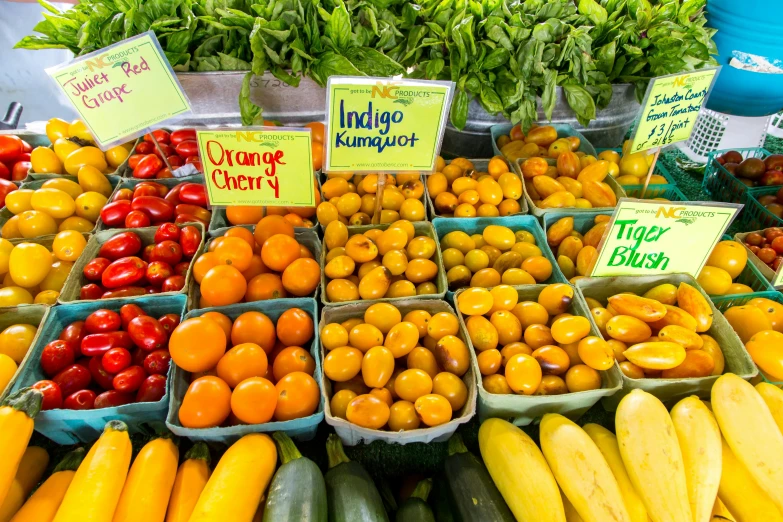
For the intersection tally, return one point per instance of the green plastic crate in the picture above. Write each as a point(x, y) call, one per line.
point(720, 183)
point(754, 215)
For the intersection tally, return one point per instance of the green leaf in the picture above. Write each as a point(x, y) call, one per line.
point(434, 67)
point(605, 57)
point(580, 102)
point(338, 29)
point(593, 11)
point(229, 63)
point(490, 100)
point(549, 93)
point(248, 110)
point(498, 57)
point(459, 109)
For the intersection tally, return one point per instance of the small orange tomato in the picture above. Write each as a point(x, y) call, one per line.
point(452, 355)
point(342, 364)
point(377, 365)
point(552, 359)
point(596, 353)
point(242, 362)
point(420, 318)
point(292, 359)
point(254, 400)
point(523, 374)
point(368, 411)
point(475, 301)
point(422, 359)
point(496, 384)
point(207, 403)
point(383, 316)
point(383, 394)
point(442, 324)
point(412, 384)
point(489, 361)
point(340, 401)
point(297, 396)
point(333, 336)
point(581, 378)
point(364, 336)
point(433, 409)
point(512, 349)
point(452, 388)
point(402, 338)
point(403, 417)
point(570, 329)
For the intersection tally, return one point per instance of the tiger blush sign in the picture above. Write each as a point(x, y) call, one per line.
point(648, 237)
point(258, 166)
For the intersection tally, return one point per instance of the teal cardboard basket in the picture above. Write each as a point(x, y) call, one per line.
point(67, 427)
point(302, 429)
point(669, 192)
point(750, 276)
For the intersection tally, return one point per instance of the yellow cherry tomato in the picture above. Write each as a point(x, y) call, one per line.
point(29, 264)
point(85, 156)
point(63, 147)
point(79, 224)
point(57, 275)
point(45, 161)
point(116, 155)
point(89, 205)
point(77, 129)
point(31, 223)
point(93, 180)
point(54, 202)
point(15, 341)
point(18, 201)
point(56, 129)
point(68, 245)
point(47, 297)
point(66, 185)
point(5, 255)
point(15, 296)
point(11, 229)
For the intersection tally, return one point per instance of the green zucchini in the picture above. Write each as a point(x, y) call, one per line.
point(415, 508)
point(352, 494)
point(440, 500)
point(298, 490)
point(472, 491)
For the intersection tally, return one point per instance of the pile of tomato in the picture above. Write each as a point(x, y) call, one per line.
point(178, 147)
point(151, 203)
point(119, 272)
point(250, 370)
point(107, 360)
point(14, 157)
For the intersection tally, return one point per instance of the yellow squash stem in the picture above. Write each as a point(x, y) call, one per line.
point(235, 488)
point(744, 499)
point(43, 505)
point(31, 469)
point(581, 471)
point(145, 495)
point(17, 412)
point(192, 476)
point(97, 485)
point(699, 438)
point(520, 472)
point(751, 432)
point(607, 444)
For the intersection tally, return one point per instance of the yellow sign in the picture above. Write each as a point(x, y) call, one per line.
point(653, 237)
point(258, 166)
point(122, 91)
point(382, 125)
point(671, 107)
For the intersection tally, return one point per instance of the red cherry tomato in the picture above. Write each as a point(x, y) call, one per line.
point(152, 389)
point(72, 379)
point(178, 136)
point(138, 355)
point(147, 333)
point(190, 240)
point(20, 169)
point(189, 218)
point(124, 272)
point(6, 187)
point(175, 161)
point(10, 147)
point(158, 209)
point(168, 150)
point(94, 268)
point(173, 284)
point(56, 356)
point(26, 147)
point(161, 188)
point(128, 312)
point(129, 379)
point(168, 252)
point(147, 252)
point(157, 362)
point(5, 172)
point(187, 148)
point(52, 396)
point(147, 167)
point(167, 232)
point(134, 160)
point(74, 333)
point(157, 272)
point(201, 213)
point(80, 400)
point(144, 190)
point(137, 219)
point(114, 213)
point(112, 399)
point(194, 194)
point(102, 321)
point(181, 269)
point(169, 322)
point(124, 291)
point(91, 292)
point(164, 174)
point(160, 135)
point(145, 147)
point(100, 343)
point(173, 195)
point(116, 360)
point(121, 245)
point(122, 194)
point(101, 377)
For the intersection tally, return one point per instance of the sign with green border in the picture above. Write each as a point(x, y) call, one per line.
point(670, 108)
point(653, 237)
point(122, 91)
point(258, 166)
point(383, 125)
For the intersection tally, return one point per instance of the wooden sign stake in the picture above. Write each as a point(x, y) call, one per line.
point(650, 172)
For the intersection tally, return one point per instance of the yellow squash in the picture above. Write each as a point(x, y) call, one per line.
point(96, 487)
point(43, 505)
point(773, 397)
point(31, 469)
point(532, 496)
point(751, 432)
point(146, 492)
point(234, 490)
point(16, 426)
point(720, 512)
point(699, 438)
point(746, 501)
point(581, 470)
point(652, 457)
point(570, 511)
point(192, 476)
point(607, 444)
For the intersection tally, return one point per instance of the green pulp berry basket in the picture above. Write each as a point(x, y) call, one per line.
point(754, 215)
point(721, 184)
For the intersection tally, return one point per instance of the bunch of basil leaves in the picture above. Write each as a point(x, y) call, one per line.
point(508, 54)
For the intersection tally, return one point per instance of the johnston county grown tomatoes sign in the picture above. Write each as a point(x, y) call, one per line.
point(652, 237)
point(258, 166)
point(122, 91)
